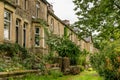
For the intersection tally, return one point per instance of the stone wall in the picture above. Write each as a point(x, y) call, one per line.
point(1, 22)
point(58, 26)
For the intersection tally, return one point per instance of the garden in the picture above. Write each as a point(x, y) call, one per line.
point(65, 60)
point(105, 64)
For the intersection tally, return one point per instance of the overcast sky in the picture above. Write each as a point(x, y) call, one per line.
point(64, 9)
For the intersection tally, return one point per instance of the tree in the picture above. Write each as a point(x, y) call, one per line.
point(98, 16)
point(103, 17)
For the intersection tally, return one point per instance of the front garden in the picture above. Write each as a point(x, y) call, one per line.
point(69, 64)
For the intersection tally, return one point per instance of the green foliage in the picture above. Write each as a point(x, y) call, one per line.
point(82, 58)
point(55, 73)
point(82, 68)
point(18, 58)
point(13, 49)
point(86, 75)
point(101, 16)
point(65, 32)
point(48, 58)
point(12, 56)
point(65, 48)
point(90, 69)
point(107, 61)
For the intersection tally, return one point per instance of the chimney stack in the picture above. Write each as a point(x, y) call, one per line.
point(67, 22)
point(50, 8)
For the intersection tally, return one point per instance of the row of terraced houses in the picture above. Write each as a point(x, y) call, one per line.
point(20, 22)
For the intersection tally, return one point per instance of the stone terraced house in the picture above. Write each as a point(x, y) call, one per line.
point(21, 22)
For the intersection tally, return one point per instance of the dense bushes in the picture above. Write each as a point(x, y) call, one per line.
point(13, 49)
point(14, 57)
point(82, 59)
point(65, 48)
point(107, 61)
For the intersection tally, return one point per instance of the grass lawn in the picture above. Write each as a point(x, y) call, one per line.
point(86, 75)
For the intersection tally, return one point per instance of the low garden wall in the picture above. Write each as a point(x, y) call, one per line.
point(17, 73)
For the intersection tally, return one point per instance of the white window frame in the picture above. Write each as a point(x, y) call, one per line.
point(8, 28)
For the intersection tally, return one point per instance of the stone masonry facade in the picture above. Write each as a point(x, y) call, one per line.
point(20, 22)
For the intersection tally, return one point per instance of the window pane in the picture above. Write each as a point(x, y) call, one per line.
point(37, 30)
point(17, 34)
point(37, 36)
point(7, 15)
point(17, 23)
point(37, 9)
point(6, 30)
point(24, 38)
point(7, 24)
point(17, 30)
point(24, 34)
point(37, 40)
point(52, 25)
point(25, 4)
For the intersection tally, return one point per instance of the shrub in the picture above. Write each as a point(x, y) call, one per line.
point(19, 58)
point(82, 68)
point(48, 58)
point(107, 61)
point(55, 73)
point(13, 49)
point(65, 48)
point(82, 59)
